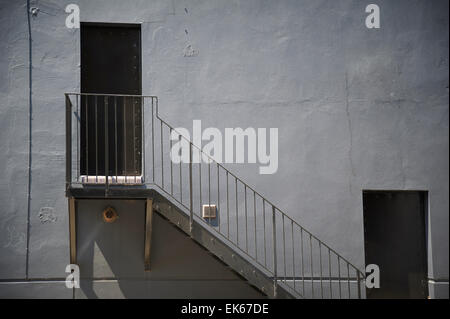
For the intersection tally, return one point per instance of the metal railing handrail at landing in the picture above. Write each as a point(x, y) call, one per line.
point(286, 256)
point(112, 95)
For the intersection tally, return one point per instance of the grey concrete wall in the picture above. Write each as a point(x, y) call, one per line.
point(111, 258)
point(356, 109)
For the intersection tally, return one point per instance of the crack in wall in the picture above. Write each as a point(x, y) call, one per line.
point(350, 131)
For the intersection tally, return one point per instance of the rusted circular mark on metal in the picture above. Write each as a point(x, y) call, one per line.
point(110, 215)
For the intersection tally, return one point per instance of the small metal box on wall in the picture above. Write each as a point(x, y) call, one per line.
point(209, 211)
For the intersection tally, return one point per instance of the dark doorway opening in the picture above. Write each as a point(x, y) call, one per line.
point(395, 240)
point(111, 65)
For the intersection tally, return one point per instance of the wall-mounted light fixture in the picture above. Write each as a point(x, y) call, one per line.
point(110, 215)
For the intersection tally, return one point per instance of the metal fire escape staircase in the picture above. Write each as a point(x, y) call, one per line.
point(249, 233)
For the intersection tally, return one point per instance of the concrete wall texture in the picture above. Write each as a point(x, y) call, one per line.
point(356, 109)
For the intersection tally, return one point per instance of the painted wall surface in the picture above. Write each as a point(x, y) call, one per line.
point(179, 268)
point(356, 109)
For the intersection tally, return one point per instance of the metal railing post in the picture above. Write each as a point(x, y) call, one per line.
point(358, 275)
point(106, 146)
point(274, 243)
point(153, 141)
point(191, 211)
point(68, 142)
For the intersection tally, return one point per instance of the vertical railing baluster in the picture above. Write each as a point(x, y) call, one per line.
point(284, 246)
point(329, 273)
point(171, 163)
point(312, 268)
point(237, 212)
point(264, 229)
point(254, 216)
point(274, 246)
point(115, 138)
point(106, 145)
point(320, 264)
point(191, 210)
point(134, 137)
point(143, 146)
point(209, 189)
point(87, 138)
point(68, 142)
point(153, 140)
point(162, 155)
point(339, 276)
point(96, 142)
point(78, 147)
point(228, 209)
point(200, 178)
point(219, 220)
point(181, 176)
point(348, 280)
point(246, 226)
point(358, 278)
point(303, 264)
point(293, 251)
point(125, 170)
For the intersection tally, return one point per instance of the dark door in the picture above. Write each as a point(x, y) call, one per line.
point(110, 65)
point(395, 240)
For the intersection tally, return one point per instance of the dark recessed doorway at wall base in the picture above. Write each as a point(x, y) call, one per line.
point(111, 64)
point(395, 240)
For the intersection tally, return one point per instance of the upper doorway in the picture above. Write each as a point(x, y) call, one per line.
point(111, 125)
point(395, 240)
